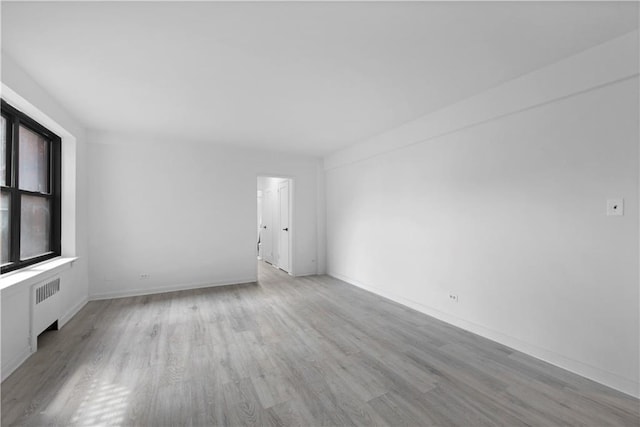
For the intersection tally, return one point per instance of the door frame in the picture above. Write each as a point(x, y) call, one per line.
point(292, 217)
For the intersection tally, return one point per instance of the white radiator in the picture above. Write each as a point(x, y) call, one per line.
point(45, 307)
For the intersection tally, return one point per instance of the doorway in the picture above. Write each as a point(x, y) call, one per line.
point(274, 220)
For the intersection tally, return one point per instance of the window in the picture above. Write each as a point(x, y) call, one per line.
point(30, 191)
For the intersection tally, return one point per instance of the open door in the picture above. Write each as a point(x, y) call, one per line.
point(283, 231)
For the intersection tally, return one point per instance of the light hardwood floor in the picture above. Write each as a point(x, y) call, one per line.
point(304, 352)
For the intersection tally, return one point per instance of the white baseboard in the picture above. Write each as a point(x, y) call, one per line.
point(9, 366)
point(601, 376)
point(310, 273)
point(72, 312)
point(173, 288)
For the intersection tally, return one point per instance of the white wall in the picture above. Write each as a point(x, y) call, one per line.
point(185, 213)
point(501, 200)
point(24, 93)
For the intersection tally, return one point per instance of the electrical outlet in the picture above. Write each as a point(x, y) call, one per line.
point(453, 297)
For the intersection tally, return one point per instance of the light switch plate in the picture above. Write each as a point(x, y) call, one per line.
point(615, 207)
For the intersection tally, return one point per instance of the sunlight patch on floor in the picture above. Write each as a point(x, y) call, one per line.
point(104, 404)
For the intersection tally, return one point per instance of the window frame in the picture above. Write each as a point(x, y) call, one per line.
point(14, 119)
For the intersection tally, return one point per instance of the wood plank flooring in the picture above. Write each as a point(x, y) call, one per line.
point(294, 352)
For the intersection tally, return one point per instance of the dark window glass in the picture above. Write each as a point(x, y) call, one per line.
point(5, 231)
point(34, 161)
point(35, 226)
point(3, 151)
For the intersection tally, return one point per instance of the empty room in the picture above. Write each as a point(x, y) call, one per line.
point(332, 213)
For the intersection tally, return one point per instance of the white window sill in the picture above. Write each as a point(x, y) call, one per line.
point(34, 273)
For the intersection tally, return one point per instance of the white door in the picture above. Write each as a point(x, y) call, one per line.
point(260, 225)
point(283, 230)
point(266, 236)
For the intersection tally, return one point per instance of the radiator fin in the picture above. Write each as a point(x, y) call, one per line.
point(47, 290)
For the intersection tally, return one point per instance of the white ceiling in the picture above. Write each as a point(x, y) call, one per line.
point(295, 76)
